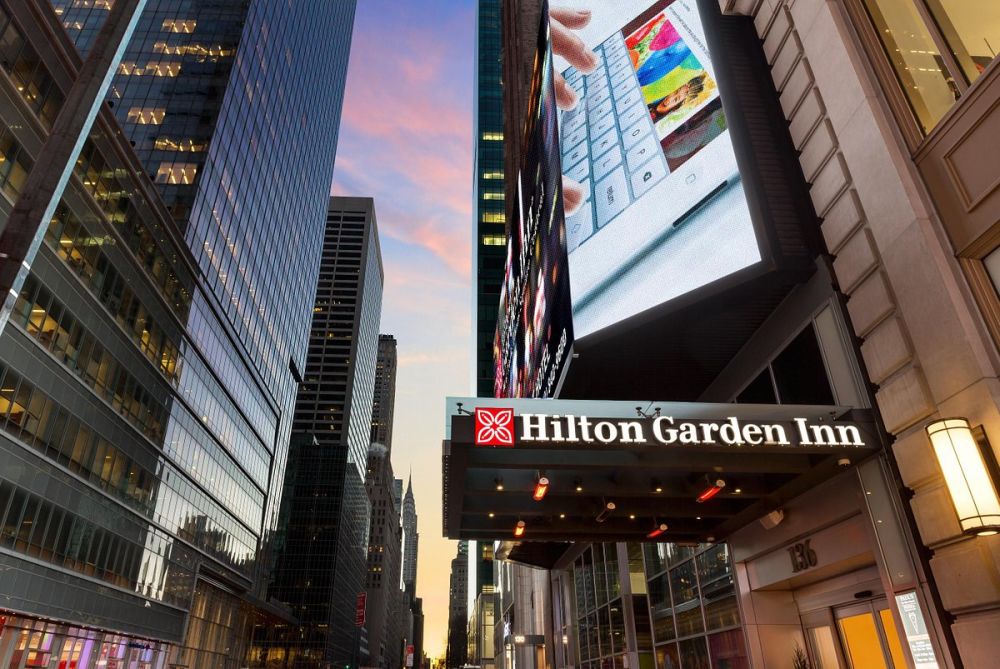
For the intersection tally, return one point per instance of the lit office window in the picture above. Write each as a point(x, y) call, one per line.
point(493, 174)
point(92, 4)
point(970, 30)
point(490, 195)
point(179, 25)
point(493, 136)
point(176, 173)
point(200, 51)
point(184, 145)
point(494, 217)
point(153, 68)
point(494, 240)
point(146, 115)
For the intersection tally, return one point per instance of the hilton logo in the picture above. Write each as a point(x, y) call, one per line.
point(494, 427)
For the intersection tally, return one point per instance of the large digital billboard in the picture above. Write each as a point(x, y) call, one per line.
point(649, 203)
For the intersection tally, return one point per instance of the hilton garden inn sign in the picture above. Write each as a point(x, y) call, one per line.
point(503, 427)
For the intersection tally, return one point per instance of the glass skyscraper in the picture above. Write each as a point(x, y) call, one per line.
point(489, 239)
point(150, 372)
point(222, 102)
point(322, 562)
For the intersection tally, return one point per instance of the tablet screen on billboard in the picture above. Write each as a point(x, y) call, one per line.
point(646, 143)
point(652, 203)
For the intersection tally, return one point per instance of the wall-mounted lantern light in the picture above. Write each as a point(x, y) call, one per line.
point(965, 472)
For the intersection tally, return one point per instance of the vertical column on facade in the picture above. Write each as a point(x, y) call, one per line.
point(924, 345)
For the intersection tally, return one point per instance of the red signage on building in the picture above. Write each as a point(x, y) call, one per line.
point(359, 610)
point(494, 426)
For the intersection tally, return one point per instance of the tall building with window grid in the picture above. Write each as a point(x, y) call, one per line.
point(149, 373)
point(323, 560)
point(383, 406)
point(489, 238)
point(223, 103)
point(383, 582)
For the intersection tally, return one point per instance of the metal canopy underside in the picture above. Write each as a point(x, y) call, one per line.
point(759, 479)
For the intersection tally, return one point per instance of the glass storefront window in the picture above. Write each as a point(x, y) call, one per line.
point(666, 657)
point(614, 580)
point(604, 630)
point(694, 653)
point(728, 650)
point(693, 607)
point(972, 30)
point(913, 33)
point(661, 609)
point(600, 575)
point(617, 626)
point(687, 604)
point(911, 50)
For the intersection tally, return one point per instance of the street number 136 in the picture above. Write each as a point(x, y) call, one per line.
point(802, 556)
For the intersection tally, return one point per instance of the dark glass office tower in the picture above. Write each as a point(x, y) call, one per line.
point(322, 564)
point(489, 240)
point(149, 372)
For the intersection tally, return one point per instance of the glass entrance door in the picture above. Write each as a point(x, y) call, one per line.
point(869, 637)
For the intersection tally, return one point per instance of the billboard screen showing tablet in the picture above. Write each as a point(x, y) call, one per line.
point(651, 204)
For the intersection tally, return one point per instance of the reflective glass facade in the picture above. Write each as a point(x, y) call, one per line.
point(489, 238)
point(145, 399)
point(233, 107)
point(322, 563)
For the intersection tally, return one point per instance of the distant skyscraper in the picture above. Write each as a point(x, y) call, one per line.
point(383, 581)
point(458, 608)
point(149, 380)
point(489, 239)
point(411, 540)
point(321, 567)
point(385, 392)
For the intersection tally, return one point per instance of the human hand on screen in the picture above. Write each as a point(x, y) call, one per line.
point(562, 22)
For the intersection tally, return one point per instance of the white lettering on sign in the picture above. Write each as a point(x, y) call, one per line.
point(667, 430)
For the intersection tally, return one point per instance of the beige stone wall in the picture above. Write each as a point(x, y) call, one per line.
point(925, 345)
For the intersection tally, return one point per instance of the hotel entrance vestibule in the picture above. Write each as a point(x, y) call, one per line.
point(856, 636)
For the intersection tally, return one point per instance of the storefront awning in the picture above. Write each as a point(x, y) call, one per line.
point(621, 471)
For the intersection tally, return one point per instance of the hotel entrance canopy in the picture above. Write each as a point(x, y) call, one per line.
point(573, 470)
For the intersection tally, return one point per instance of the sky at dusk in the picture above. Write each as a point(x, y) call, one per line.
point(406, 140)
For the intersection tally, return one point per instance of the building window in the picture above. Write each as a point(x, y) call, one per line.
point(937, 48)
point(493, 217)
point(493, 136)
point(492, 195)
point(493, 174)
point(494, 240)
point(179, 25)
point(182, 145)
point(199, 51)
point(146, 115)
point(176, 173)
point(14, 165)
point(154, 68)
